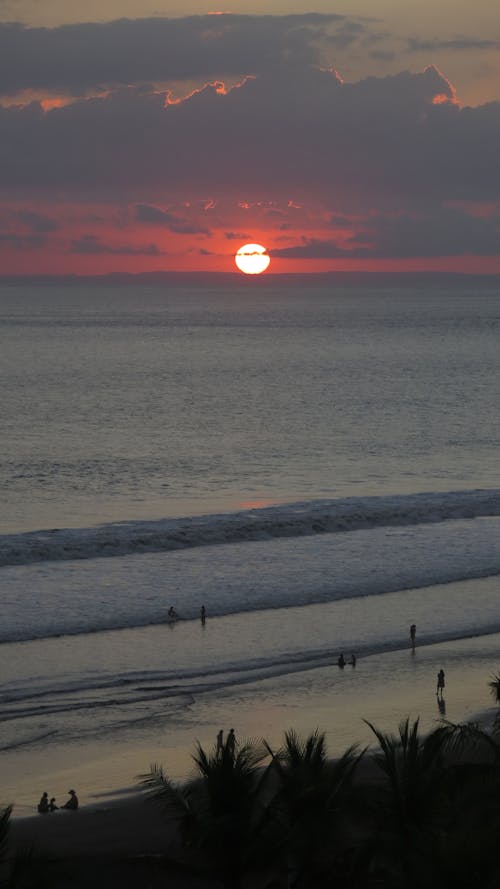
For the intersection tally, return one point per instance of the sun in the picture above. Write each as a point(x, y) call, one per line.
point(252, 259)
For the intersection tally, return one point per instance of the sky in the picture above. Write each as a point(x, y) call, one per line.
point(161, 136)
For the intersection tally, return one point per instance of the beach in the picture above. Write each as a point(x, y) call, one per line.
point(383, 688)
point(278, 458)
point(114, 845)
point(120, 836)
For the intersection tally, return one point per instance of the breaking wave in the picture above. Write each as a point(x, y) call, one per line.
point(291, 520)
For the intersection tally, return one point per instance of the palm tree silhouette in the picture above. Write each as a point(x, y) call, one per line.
point(222, 812)
point(410, 804)
point(313, 803)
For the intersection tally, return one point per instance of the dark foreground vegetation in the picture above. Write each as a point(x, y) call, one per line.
point(417, 811)
point(422, 811)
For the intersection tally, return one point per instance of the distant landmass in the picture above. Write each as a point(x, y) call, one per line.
point(232, 279)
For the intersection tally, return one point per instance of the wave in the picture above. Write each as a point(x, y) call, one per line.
point(290, 520)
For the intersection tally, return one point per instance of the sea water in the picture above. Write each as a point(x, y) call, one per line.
point(317, 467)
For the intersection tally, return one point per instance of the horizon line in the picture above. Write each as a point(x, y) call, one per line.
point(332, 275)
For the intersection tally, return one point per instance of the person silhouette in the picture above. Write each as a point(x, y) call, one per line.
point(440, 683)
point(220, 741)
point(72, 803)
point(413, 633)
point(203, 614)
point(231, 741)
point(43, 805)
point(52, 804)
point(341, 661)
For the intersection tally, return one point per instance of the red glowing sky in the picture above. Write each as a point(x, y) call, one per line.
point(177, 140)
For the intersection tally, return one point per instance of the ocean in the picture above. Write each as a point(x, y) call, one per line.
point(317, 467)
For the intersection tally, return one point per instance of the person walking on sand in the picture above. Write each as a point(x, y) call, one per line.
point(440, 683)
point(203, 614)
point(220, 742)
point(413, 633)
point(231, 742)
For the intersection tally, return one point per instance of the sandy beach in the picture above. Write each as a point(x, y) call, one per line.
point(119, 837)
point(120, 844)
point(383, 689)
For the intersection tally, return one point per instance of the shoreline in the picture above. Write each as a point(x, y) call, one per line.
point(381, 689)
point(125, 842)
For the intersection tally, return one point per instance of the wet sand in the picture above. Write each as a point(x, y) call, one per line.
point(383, 689)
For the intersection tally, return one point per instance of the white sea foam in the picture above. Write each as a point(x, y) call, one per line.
point(69, 598)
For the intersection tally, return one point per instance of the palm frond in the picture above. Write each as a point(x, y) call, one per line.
point(494, 685)
point(164, 791)
point(4, 827)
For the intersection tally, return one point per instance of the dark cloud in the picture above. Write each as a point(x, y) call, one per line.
point(312, 248)
point(80, 57)
point(152, 215)
point(236, 236)
point(22, 242)
point(92, 245)
point(445, 232)
point(37, 222)
point(340, 221)
point(382, 55)
point(461, 44)
point(379, 142)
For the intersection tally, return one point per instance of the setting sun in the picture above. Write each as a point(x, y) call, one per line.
point(252, 259)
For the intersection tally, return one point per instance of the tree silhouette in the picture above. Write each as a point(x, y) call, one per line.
point(314, 802)
point(222, 812)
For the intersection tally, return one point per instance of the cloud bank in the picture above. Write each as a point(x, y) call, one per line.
point(77, 58)
point(379, 139)
point(389, 166)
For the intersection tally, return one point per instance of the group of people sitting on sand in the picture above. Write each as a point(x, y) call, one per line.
point(45, 805)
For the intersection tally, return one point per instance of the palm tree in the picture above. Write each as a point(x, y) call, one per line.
point(410, 806)
point(470, 845)
point(494, 685)
point(436, 814)
point(313, 801)
point(222, 812)
point(4, 828)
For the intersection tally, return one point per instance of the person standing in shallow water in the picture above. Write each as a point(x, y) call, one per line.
point(413, 633)
point(203, 614)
